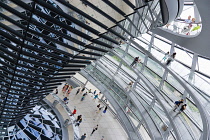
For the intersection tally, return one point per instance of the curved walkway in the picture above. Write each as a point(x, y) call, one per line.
point(109, 128)
point(198, 44)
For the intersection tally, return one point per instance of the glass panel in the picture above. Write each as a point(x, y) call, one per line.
point(115, 59)
point(175, 83)
point(154, 78)
point(171, 91)
point(202, 83)
point(204, 65)
point(180, 70)
point(165, 47)
point(119, 51)
point(129, 71)
point(184, 57)
point(194, 112)
point(195, 131)
point(144, 133)
point(135, 52)
point(155, 67)
point(156, 119)
point(143, 44)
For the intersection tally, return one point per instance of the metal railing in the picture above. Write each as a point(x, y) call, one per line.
point(71, 119)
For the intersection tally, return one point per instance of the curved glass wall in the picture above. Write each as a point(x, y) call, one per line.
point(169, 85)
point(40, 45)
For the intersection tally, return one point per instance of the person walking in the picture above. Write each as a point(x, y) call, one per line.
point(105, 100)
point(65, 100)
point(177, 104)
point(182, 109)
point(98, 106)
point(96, 96)
point(83, 89)
point(83, 137)
point(165, 57)
point(78, 91)
point(56, 91)
point(94, 92)
point(105, 109)
point(74, 112)
point(170, 59)
point(94, 129)
point(78, 122)
point(83, 96)
point(136, 59)
point(99, 109)
point(78, 118)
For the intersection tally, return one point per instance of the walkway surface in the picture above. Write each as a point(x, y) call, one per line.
point(109, 128)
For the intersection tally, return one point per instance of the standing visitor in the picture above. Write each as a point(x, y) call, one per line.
point(78, 118)
point(78, 122)
point(99, 109)
point(65, 100)
point(170, 59)
point(78, 91)
point(69, 90)
point(165, 57)
point(96, 96)
point(83, 89)
point(56, 91)
point(83, 137)
point(94, 92)
point(83, 96)
point(177, 104)
point(98, 106)
point(105, 109)
point(182, 109)
point(65, 87)
point(139, 61)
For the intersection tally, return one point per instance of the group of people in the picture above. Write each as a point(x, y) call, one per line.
point(100, 108)
point(168, 58)
point(66, 91)
point(94, 129)
point(89, 91)
point(188, 25)
point(178, 104)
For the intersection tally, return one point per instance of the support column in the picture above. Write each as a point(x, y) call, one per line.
point(193, 66)
point(196, 14)
point(192, 72)
point(149, 50)
point(125, 52)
